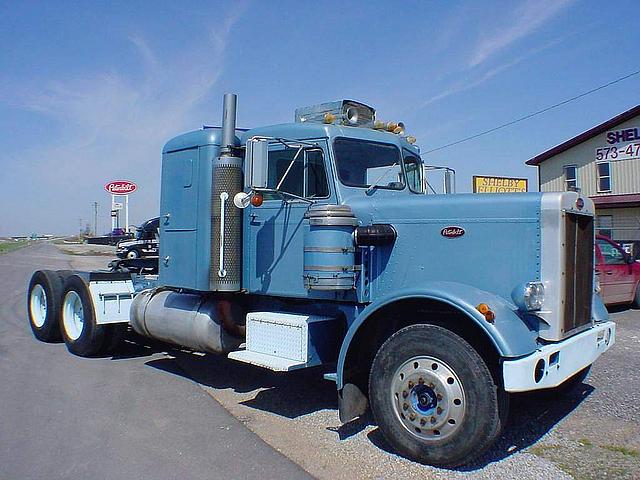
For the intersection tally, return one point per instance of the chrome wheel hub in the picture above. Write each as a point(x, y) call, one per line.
point(38, 305)
point(428, 398)
point(72, 315)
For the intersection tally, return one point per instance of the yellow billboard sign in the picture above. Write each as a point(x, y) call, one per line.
point(483, 184)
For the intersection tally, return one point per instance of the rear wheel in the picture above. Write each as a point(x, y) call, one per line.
point(133, 254)
point(80, 332)
point(433, 396)
point(43, 304)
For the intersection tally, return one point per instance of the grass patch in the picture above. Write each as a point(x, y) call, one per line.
point(592, 461)
point(540, 450)
point(11, 246)
point(630, 452)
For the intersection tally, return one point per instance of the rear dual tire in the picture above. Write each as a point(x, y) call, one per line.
point(80, 332)
point(43, 303)
point(59, 307)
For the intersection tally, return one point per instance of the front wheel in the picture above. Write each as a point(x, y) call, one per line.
point(133, 254)
point(434, 397)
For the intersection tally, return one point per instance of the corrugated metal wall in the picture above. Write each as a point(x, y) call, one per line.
point(624, 223)
point(625, 174)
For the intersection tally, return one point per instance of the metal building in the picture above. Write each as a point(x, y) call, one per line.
point(603, 163)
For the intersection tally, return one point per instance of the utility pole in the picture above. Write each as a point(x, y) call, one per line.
point(95, 219)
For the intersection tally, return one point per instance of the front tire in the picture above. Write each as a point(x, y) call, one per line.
point(433, 396)
point(133, 254)
point(80, 332)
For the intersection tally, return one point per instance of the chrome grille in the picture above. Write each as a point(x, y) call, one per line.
point(578, 269)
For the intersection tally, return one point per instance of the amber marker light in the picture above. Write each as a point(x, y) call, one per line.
point(486, 311)
point(257, 199)
point(329, 117)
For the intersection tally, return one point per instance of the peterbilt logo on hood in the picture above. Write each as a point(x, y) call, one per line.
point(120, 187)
point(452, 232)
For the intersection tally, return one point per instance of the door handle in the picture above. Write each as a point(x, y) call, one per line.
point(608, 272)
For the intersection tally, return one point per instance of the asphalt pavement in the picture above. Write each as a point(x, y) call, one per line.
point(108, 418)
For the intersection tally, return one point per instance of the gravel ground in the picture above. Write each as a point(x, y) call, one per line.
point(85, 249)
point(592, 433)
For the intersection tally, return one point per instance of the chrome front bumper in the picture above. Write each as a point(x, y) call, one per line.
point(552, 364)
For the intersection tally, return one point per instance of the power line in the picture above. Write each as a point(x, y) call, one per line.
point(526, 117)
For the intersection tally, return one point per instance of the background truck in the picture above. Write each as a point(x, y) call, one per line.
point(145, 243)
point(314, 244)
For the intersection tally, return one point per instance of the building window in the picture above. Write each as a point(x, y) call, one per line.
point(604, 177)
point(604, 224)
point(571, 177)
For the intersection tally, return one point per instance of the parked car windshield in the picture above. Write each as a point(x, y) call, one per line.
point(610, 254)
point(362, 163)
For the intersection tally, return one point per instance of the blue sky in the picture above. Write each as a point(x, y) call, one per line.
point(90, 91)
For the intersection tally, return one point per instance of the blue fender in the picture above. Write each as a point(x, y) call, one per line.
point(510, 334)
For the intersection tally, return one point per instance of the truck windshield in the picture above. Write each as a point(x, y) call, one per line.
point(361, 163)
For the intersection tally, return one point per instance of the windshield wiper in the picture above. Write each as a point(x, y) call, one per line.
point(375, 185)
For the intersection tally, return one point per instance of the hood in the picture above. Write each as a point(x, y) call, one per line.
point(490, 241)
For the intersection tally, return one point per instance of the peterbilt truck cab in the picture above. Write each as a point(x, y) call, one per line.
point(315, 244)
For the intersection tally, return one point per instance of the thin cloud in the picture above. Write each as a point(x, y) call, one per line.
point(467, 84)
point(111, 124)
point(527, 18)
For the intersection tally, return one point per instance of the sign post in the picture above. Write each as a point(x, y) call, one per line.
point(120, 189)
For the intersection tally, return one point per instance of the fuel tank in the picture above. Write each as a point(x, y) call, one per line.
point(191, 320)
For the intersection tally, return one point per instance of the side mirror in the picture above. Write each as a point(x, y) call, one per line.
point(256, 162)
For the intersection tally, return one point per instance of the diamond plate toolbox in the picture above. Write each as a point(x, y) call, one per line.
point(287, 335)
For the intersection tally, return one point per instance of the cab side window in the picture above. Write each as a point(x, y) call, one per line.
point(413, 169)
point(610, 254)
point(307, 176)
point(316, 185)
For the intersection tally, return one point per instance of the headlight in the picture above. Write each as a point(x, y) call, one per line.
point(596, 284)
point(528, 296)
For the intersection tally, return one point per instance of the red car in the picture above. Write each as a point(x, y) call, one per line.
point(618, 273)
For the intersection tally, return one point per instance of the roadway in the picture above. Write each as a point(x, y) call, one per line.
point(109, 418)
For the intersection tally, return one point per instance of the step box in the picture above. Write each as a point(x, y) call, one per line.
point(286, 341)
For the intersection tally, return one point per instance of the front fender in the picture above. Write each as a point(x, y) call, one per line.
point(509, 333)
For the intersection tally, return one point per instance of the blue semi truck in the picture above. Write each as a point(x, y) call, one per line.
point(316, 244)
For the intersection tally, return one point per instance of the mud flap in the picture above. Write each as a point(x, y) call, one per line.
point(352, 403)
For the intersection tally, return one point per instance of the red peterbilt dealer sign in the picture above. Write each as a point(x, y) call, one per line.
point(120, 187)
